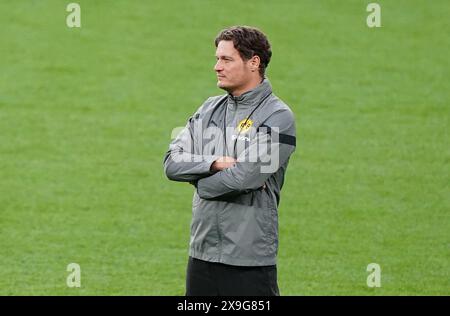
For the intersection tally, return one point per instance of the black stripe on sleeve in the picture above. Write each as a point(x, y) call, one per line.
point(282, 138)
point(287, 139)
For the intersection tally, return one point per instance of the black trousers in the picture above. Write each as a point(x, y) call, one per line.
point(205, 278)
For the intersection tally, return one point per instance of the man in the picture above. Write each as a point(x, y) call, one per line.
point(235, 150)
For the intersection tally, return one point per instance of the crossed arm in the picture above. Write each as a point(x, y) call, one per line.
point(216, 176)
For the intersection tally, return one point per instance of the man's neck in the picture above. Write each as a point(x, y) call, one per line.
point(250, 86)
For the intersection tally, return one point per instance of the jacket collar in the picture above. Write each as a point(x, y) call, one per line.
point(251, 97)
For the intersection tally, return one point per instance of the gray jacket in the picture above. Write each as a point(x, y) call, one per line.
point(235, 211)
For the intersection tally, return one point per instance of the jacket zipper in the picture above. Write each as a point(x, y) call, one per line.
point(218, 218)
point(234, 146)
point(219, 246)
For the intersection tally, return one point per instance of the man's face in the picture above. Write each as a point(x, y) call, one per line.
point(233, 73)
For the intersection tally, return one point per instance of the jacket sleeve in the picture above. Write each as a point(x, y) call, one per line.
point(180, 161)
point(272, 146)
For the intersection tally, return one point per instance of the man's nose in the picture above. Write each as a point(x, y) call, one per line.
point(218, 66)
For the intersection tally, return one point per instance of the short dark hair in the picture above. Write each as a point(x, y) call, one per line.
point(248, 41)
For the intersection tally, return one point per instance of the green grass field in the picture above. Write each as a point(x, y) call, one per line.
point(86, 116)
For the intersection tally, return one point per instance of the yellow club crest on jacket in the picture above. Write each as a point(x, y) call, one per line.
point(244, 125)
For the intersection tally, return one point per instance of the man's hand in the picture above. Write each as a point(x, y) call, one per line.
point(223, 163)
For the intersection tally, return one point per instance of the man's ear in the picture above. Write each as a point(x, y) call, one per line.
point(255, 61)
